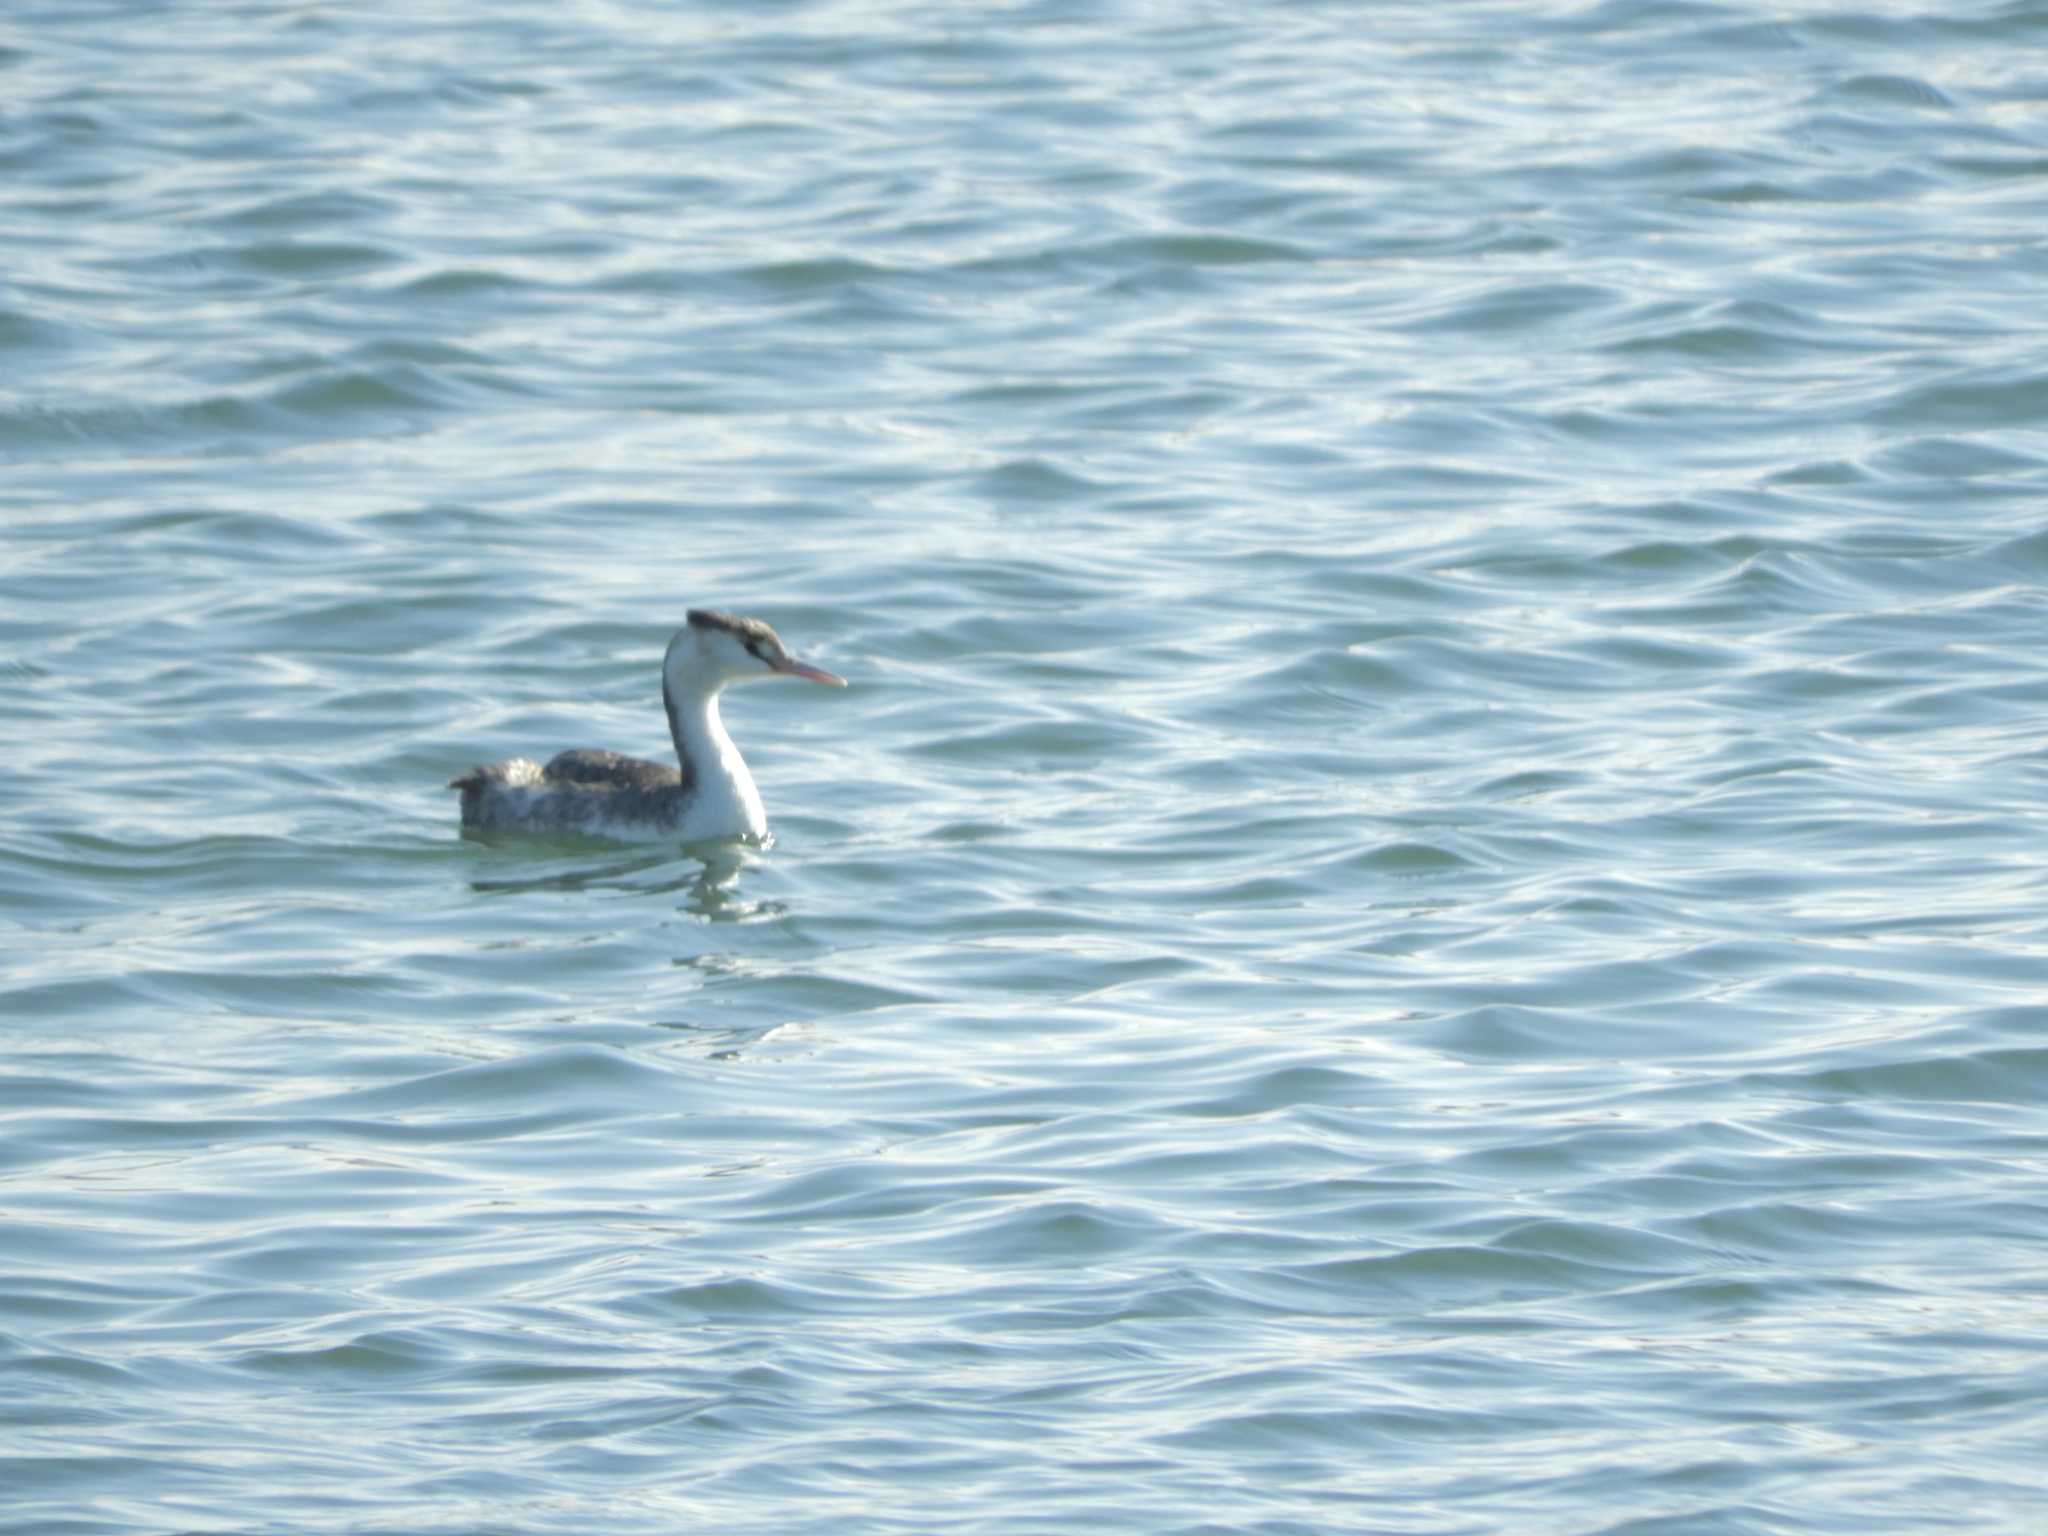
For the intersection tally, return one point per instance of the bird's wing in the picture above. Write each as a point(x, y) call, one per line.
point(595, 768)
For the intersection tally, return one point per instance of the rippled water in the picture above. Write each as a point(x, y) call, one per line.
point(1424, 915)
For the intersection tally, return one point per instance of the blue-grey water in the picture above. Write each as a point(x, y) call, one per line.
point(1428, 912)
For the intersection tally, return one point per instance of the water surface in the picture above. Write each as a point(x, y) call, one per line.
point(1423, 915)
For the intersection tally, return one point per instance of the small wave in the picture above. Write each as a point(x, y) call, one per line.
point(1973, 400)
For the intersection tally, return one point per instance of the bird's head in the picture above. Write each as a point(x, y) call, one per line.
point(716, 649)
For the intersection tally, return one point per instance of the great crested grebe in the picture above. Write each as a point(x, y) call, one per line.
point(708, 794)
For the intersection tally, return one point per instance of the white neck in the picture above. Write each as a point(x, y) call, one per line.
point(723, 801)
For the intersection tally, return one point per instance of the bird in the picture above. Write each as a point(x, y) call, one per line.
point(709, 794)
